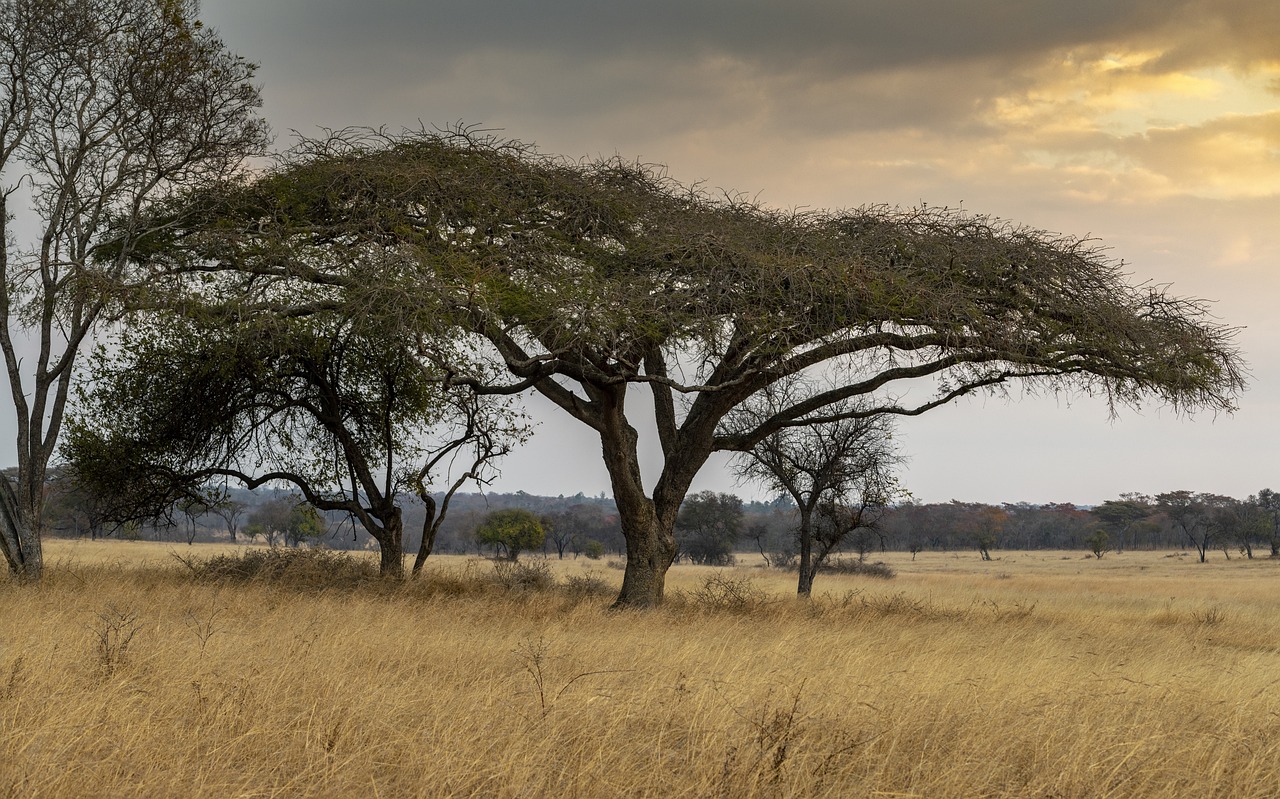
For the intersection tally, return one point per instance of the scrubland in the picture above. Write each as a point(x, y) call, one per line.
point(1039, 674)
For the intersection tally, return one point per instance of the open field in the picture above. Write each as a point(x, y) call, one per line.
point(1038, 674)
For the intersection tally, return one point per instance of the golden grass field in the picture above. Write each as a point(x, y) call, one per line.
point(1037, 675)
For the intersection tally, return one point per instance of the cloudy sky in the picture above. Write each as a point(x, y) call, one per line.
point(1153, 125)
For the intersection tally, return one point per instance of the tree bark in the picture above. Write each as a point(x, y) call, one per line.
point(649, 533)
point(808, 568)
point(391, 544)
point(23, 550)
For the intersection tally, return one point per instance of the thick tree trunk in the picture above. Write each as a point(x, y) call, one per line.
point(648, 529)
point(391, 543)
point(651, 549)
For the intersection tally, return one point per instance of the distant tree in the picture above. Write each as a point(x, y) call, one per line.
point(710, 524)
point(982, 524)
point(1119, 516)
point(1099, 542)
point(304, 524)
point(1191, 513)
point(1269, 502)
point(270, 519)
point(511, 531)
point(192, 509)
point(106, 106)
point(1239, 524)
point(838, 472)
point(230, 510)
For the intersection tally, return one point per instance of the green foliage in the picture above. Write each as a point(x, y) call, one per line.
point(1099, 543)
point(710, 524)
point(511, 531)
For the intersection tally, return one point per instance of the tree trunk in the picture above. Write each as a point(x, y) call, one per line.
point(808, 568)
point(651, 549)
point(391, 544)
point(19, 537)
point(649, 533)
point(429, 527)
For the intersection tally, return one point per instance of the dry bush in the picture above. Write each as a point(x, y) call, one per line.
point(297, 568)
point(859, 568)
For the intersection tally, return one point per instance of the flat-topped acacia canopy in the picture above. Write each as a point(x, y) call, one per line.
point(580, 279)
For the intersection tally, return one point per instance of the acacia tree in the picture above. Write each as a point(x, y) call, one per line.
point(838, 472)
point(341, 412)
point(1193, 514)
point(585, 280)
point(1120, 515)
point(105, 106)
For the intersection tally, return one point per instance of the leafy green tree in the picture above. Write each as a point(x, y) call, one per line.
point(581, 280)
point(304, 524)
point(341, 411)
point(512, 531)
point(1099, 542)
point(106, 106)
point(1269, 502)
point(711, 523)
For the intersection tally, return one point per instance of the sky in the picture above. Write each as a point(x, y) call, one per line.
point(1151, 125)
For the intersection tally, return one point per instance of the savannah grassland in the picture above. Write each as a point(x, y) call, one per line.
point(1040, 674)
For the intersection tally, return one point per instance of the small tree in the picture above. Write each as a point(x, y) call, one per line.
point(304, 524)
point(1099, 543)
point(839, 472)
point(230, 511)
point(511, 531)
point(711, 523)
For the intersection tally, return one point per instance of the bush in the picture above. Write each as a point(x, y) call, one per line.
point(878, 570)
point(529, 576)
point(593, 549)
point(310, 568)
point(587, 586)
point(737, 594)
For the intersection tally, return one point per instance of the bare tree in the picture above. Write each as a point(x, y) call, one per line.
point(838, 472)
point(105, 106)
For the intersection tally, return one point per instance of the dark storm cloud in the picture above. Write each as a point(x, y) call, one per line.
point(868, 35)
point(813, 67)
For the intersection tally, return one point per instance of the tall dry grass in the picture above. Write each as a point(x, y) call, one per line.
point(1036, 675)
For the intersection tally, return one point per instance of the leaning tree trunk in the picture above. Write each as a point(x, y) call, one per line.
point(19, 537)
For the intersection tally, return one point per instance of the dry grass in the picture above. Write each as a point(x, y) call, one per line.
point(1039, 674)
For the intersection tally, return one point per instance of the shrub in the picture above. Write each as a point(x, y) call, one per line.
point(529, 576)
point(723, 592)
point(310, 568)
point(878, 570)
